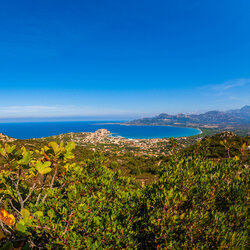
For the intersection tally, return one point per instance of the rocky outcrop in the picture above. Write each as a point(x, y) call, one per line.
point(5, 138)
point(227, 134)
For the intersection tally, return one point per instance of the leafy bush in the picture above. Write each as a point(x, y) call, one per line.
point(48, 201)
point(114, 165)
point(195, 204)
point(78, 206)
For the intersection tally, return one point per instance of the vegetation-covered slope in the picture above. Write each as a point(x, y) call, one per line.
point(50, 200)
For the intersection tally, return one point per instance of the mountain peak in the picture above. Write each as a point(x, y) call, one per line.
point(233, 118)
point(245, 108)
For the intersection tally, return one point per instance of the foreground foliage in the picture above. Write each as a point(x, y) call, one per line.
point(48, 201)
point(197, 204)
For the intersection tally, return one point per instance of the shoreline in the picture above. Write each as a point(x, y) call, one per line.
point(127, 124)
point(197, 132)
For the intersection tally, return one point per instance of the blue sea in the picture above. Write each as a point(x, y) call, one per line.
point(27, 130)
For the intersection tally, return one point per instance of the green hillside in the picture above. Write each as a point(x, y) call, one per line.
point(58, 196)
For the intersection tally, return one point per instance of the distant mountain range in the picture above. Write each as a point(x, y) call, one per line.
point(211, 119)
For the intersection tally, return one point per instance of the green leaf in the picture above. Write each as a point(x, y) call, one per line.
point(26, 215)
point(45, 171)
point(55, 147)
point(21, 227)
point(9, 148)
point(43, 168)
point(2, 152)
point(26, 158)
point(38, 214)
point(69, 155)
point(70, 146)
point(51, 213)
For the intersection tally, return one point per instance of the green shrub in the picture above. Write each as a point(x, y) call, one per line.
point(48, 201)
point(195, 204)
point(114, 165)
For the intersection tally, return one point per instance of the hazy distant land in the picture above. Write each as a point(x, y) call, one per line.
point(237, 120)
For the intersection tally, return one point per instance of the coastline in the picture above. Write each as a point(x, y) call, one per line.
point(201, 132)
point(43, 130)
point(127, 124)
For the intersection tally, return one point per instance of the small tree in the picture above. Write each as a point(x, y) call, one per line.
point(28, 179)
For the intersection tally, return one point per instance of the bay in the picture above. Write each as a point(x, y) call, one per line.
point(28, 130)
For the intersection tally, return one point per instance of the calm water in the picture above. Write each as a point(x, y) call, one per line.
point(29, 130)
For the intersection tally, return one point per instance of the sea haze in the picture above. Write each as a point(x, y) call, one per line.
point(27, 130)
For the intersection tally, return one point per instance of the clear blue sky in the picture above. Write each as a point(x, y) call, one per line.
point(123, 59)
